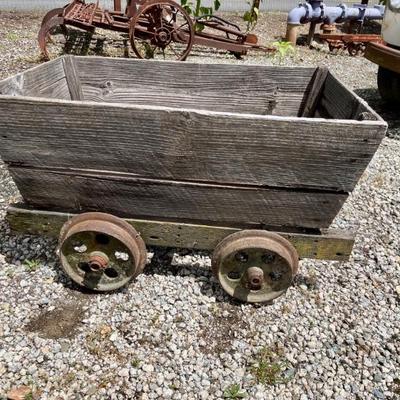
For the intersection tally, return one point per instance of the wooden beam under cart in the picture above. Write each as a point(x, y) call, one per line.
point(332, 245)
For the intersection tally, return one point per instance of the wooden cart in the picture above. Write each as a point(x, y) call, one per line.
point(251, 161)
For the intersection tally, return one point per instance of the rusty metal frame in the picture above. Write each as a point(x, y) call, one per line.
point(384, 56)
point(354, 43)
point(220, 33)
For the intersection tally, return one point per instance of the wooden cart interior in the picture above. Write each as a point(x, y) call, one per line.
point(202, 149)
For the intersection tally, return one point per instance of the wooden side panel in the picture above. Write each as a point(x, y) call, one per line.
point(127, 196)
point(188, 145)
point(46, 81)
point(328, 246)
point(317, 84)
point(72, 77)
point(340, 103)
point(227, 88)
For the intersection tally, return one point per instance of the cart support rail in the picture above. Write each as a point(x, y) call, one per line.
point(331, 245)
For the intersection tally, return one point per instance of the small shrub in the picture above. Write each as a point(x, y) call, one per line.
point(251, 16)
point(197, 9)
point(234, 391)
point(283, 49)
point(270, 366)
point(135, 363)
point(31, 265)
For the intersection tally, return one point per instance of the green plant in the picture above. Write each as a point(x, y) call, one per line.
point(234, 391)
point(196, 8)
point(135, 363)
point(283, 49)
point(12, 37)
point(31, 265)
point(28, 396)
point(270, 366)
point(251, 16)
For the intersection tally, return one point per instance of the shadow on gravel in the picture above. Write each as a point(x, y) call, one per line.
point(43, 250)
point(83, 43)
point(392, 117)
point(161, 264)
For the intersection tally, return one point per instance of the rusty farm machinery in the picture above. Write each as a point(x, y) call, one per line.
point(155, 28)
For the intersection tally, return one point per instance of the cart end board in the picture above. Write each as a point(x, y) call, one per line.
point(330, 245)
point(231, 145)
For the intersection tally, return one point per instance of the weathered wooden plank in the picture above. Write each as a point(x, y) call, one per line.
point(129, 196)
point(339, 102)
point(329, 246)
point(72, 78)
point(317, 84)
point(46, 81)
point(229, 88)
point(160, 142)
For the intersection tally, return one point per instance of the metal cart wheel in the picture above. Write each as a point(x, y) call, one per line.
point(100, 251)
point(163, 30)
point(255, 265)
point(50, 31)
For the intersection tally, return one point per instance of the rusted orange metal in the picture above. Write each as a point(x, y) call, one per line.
point(157, 24)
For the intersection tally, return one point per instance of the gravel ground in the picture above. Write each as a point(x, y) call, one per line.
point(173, 333)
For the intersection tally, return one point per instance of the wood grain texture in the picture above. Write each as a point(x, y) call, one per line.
point(128, 196)
point(332, 245)
point(216, 87)
point(339, 102)
point(45, 81)
point(317, 85)
point(165, 143)
point(73, 81)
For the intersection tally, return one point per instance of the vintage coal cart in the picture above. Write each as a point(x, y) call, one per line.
point(252, 162)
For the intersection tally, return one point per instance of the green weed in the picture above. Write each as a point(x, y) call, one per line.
point(234, 391)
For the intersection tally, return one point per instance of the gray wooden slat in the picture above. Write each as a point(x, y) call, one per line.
point(166, 143)
point(128, 196)
point(229, 88)
point(339, 102)
point(315, 93)
point(72, 78)
point(46, 81)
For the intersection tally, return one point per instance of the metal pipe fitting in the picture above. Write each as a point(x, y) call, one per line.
point(318, 12)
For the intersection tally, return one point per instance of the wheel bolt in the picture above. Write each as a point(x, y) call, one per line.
point(98, 261)
point(255, 277)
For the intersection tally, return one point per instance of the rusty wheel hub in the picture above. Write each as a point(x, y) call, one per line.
point(161, 29)
point(163, 36)
point(100, 251)
point(255, 265)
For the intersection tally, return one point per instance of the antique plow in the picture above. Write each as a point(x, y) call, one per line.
point(156, 28)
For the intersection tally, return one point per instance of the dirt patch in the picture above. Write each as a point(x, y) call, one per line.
point(58, 323)
point(220, 330)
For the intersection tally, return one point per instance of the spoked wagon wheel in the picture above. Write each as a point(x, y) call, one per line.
point(100, 251)
point(255, 265)
point(52, 35)
point(161, 29)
